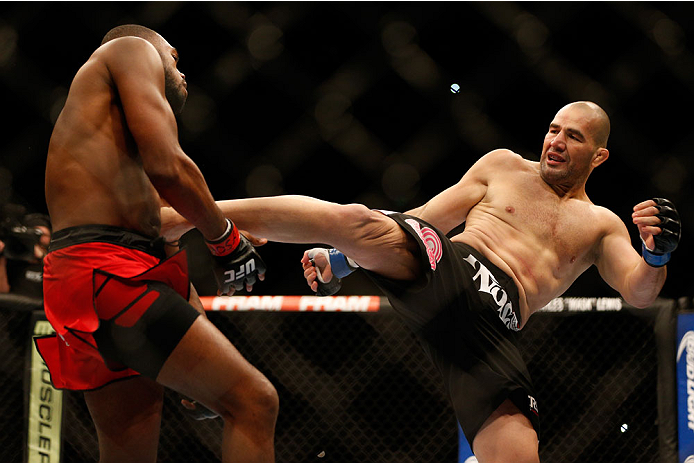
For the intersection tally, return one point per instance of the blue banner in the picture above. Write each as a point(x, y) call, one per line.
point(685, 387)
point(465, 454)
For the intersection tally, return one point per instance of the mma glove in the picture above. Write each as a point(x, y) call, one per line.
point(667, 240)
point(340, 265)
point(237, 262)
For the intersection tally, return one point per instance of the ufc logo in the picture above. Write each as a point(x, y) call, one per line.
point(242, 271)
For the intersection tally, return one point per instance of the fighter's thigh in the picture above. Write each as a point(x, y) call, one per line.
point(507, 435)
point(127, 417)
point(207, 367)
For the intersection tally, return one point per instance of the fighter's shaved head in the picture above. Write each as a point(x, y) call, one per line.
point(131, 30)
point(599, 121)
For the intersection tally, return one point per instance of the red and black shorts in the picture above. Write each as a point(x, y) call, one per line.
point(118, 306)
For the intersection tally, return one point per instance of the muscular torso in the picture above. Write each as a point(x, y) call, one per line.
point(542, 240)
point(94, 174)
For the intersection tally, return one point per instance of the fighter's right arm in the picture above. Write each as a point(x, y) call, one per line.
point(449, 208)
point(372, 239)
point(138, 76)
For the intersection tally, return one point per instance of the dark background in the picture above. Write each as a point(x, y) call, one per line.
point(351, 102)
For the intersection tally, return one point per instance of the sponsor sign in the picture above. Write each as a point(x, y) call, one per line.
point(685, 386)
point(584, 304)
point(45, 408)
point(293, 303)
point(465, 454)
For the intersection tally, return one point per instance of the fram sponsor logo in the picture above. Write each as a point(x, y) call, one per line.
point(293, 303)
point(246, 303)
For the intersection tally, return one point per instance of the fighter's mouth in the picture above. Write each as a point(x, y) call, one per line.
point(555, 157)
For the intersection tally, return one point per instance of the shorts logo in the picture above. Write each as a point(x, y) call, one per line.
point(431, 241)
point(489, 285)
point(533, 405)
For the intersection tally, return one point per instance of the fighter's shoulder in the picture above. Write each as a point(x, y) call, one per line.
point(126, 51)
point(501, 156)
point(609, 221)
point(500, 160)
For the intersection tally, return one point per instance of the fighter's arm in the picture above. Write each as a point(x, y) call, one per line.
point(449, 208)
point(138, 76)
point(372, 239)
point(621, 266)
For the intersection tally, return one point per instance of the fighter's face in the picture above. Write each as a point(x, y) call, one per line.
point(176, 86)
point(568, 148)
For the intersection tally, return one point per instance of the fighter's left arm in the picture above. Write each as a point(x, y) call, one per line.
point(639, 279)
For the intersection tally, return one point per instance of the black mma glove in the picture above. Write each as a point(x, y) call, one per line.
point(667, 240)
point(238, 263)
point(340, 265)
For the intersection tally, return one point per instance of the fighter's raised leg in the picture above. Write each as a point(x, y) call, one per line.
point(207, 367)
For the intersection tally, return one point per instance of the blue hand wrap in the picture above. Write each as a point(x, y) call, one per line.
point(654, 260)
point(339, 264)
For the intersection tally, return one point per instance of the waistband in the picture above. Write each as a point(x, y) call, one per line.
point(107, 234)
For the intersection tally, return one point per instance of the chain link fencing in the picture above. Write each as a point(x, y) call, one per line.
point(357, 388)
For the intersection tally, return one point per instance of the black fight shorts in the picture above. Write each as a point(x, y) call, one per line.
point(464, 311)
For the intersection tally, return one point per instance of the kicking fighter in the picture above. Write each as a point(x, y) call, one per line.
point(123, 312)
point(530, 231)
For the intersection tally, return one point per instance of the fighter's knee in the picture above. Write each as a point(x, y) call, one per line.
point(354, 217)
point(266, 400)
point(360, 228)
point(255, 403)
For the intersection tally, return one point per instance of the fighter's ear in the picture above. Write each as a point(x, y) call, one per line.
point(600, 156)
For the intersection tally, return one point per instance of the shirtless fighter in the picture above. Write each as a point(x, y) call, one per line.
point(530, 231)
point(123, 312)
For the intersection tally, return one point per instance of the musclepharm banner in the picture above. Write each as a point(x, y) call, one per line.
point(685, 386)
point(45, 408)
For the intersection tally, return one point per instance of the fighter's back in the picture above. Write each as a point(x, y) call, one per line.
point(94, 173)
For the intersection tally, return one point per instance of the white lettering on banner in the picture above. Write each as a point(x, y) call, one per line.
point(687, 344)
point(579, 304)
point(267, 303)
point(584, 304)
point(33, 275)
point(335, 304)
point(608, 304)
point(45, 408)
point(489, 285)
point(555, 305)
point(293, 303)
